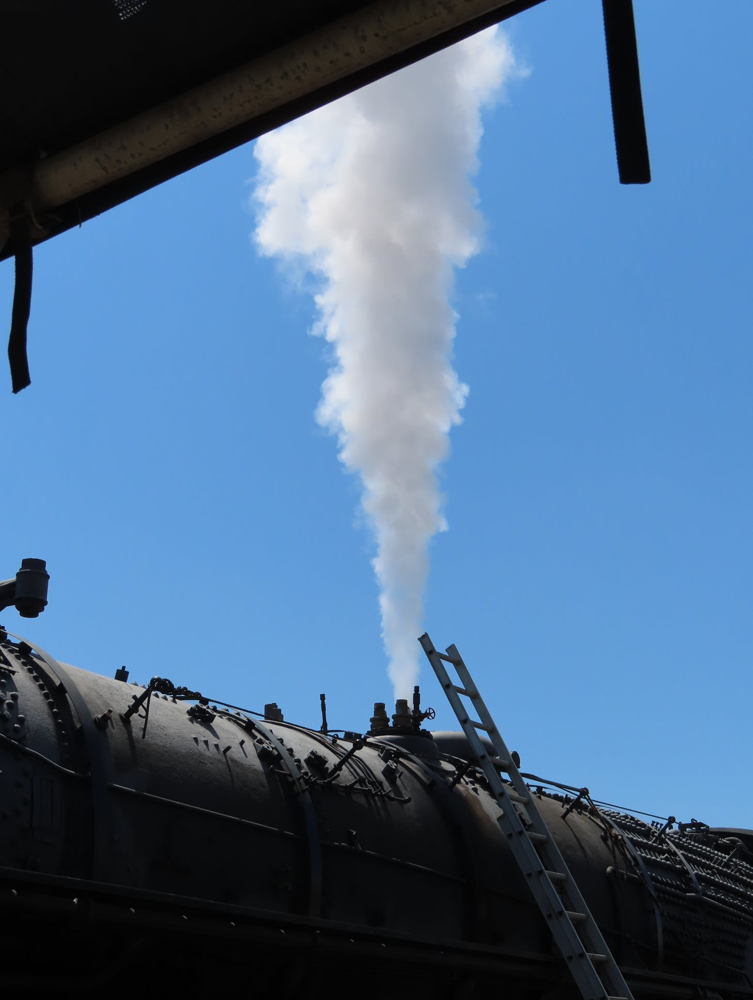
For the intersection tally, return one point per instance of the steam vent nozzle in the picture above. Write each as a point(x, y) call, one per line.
point(380, 719)
point(402, 717)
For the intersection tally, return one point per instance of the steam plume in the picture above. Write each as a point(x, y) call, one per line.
point(372, 195)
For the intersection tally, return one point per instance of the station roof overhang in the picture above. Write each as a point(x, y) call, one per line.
point(101, 100)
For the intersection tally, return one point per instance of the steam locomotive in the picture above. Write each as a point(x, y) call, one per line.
point(146, 833)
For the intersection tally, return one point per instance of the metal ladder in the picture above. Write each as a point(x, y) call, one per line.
point(573, 928)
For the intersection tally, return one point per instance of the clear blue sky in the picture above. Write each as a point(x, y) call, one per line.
point(598, 570)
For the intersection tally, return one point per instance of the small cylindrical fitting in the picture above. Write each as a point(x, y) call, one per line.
point(379, 720)
point(272, 713)
point(31, 588)
point(402, 716)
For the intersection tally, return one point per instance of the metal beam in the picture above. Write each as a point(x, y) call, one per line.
point(625, 88)
point(333, 53)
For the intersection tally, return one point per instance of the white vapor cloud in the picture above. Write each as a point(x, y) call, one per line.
point(372, 194)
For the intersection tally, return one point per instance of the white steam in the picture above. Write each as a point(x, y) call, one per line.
point(373, 195)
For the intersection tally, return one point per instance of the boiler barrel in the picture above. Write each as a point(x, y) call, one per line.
point(384, 857)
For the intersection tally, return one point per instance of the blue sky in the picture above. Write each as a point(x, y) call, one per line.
point(598, 570)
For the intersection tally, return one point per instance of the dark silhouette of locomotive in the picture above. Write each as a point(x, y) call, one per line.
point(145, 834)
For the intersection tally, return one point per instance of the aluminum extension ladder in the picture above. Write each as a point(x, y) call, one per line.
point(573, 928)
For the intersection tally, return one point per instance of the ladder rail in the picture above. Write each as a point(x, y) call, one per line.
point(537, 855)
point(486, 719)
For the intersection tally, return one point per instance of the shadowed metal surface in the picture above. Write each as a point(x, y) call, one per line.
point(315, 859)
point(103, 100)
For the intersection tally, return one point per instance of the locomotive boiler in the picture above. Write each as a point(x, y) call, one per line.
point(146, 833)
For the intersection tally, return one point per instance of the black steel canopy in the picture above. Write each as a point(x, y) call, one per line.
point(78, 70)
point(101, 100)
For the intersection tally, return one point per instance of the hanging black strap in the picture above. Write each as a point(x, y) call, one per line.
point(625, 88)
point(19, 363)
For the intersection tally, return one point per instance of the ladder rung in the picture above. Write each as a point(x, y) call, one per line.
point(576, 918)
point(557, 876)
point(460, 690)
point(501, 765)
point(537, 838)
point(522, 800)
point(597, 959)
point(480, 725)
point(447, 659)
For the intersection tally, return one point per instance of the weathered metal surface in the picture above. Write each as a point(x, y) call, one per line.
point(342, 49)
point(394, 871)
point(136, 111)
